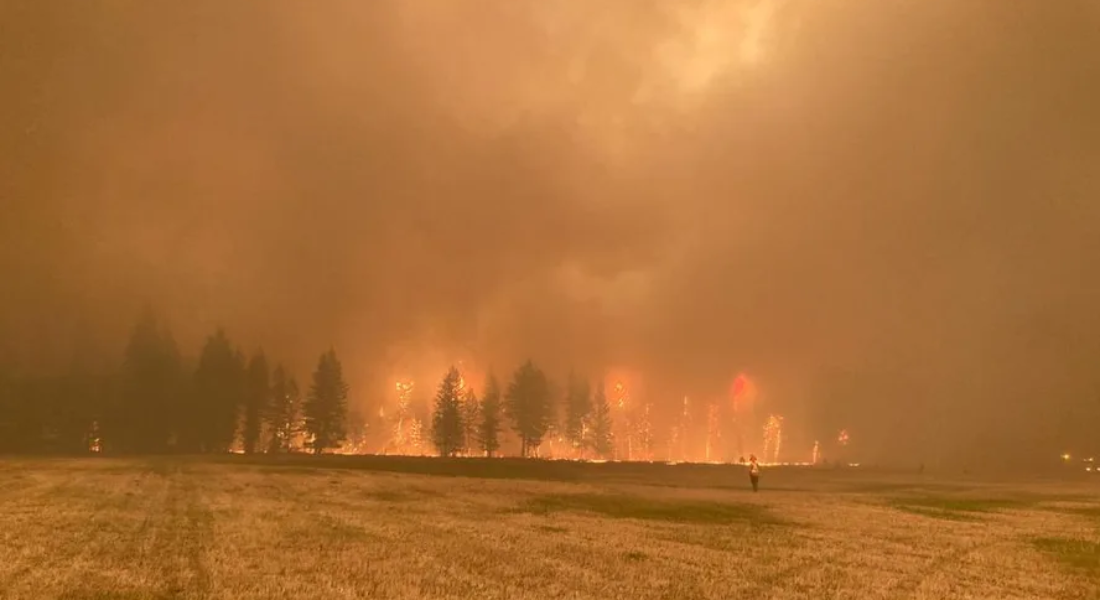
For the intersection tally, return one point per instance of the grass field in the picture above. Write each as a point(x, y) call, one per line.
point(342, 527)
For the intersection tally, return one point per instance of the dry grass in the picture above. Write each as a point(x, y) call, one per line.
point(372, 528)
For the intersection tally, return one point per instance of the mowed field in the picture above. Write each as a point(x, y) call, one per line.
point(238, 528)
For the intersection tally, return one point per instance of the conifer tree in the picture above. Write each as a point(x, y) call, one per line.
point(149, 389)
point(602, 441)
point(488, 435)
point(529, 406)
point(326, 406)
point(257, 399)
point(211, 423)
point(284, 413)
point(470, 420)
point(447, 426)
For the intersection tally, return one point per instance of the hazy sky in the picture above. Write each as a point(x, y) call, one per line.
point(888, 212)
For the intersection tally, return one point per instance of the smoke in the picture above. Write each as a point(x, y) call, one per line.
point(899, 196)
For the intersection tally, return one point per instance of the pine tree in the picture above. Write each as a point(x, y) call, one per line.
point(284, 412)
point(211, 424)
point(256, 401)
point(578, 405)
point(470, 420)
point(529, 406)
point(142, 420)
point(447, 426)
point(488, 435)
point(602, 441)
point(326, 405)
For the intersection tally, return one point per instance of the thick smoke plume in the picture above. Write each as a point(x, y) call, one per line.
point(887, 213)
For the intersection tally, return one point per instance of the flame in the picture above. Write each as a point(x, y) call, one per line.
point(773, 438)
point(714, 432)
point(842, 438)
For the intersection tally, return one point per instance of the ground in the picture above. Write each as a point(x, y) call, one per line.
point(238, 528)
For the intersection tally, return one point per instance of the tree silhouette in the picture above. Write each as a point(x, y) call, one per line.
point(326, 405)
point(284, 412)
point(257, 399)
point(470, 420)
point(211, 424)
point(602, 441)
point(578, 405)
point(488, 434)
point(528, 404)
point(447, 426)
point(141, 419)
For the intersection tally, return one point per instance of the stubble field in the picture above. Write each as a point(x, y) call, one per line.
point(336, 527)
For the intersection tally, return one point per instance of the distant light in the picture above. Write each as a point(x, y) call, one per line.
point(1065, 456)
point(1089, 459)
point(1089, 469)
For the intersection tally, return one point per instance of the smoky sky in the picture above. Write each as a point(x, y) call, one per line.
point(887, 213)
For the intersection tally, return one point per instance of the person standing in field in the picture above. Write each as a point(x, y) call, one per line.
point(754, 472)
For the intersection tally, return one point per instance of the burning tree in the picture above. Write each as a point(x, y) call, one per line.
point(624, 421)
point(602, 440)
point(773, 438)
point(400, 439)
point(326, 405)
point(714, 432)
point(416, 437)
point(645, 433)
point(447, 427)
point(284, 413)
point(683, 430)
point(578, 405)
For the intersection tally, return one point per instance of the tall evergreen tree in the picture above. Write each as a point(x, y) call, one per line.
point(257, 401)
point(211, 425)
point(578, 405)
point(284, 412)
point(141, 419)
point(470, 420)
point(326, 406)
point(602, 440)
point(529, 406)
point(488, 435)
point(447, 426)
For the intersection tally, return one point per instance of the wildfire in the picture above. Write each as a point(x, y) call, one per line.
point(773, 438)
point(817, 453)
point(620, 395)
point(842, 439)
point(621, 400)
point(401, 439)
point(684, 429)
point(714, 432)
point(95, 444)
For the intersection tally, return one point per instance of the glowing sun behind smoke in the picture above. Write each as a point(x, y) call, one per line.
point(718, 36)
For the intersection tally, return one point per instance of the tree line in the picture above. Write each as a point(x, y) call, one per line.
point(462, 423)
point(154, 402)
